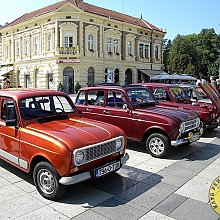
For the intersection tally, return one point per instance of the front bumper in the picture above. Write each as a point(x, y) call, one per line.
point(192, 137)
point(70, 180)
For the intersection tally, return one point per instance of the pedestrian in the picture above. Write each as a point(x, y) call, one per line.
point(198, 81)
point(218, 84)
point(213, 82)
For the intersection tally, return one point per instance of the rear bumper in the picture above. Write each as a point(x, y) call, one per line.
point(70, 180)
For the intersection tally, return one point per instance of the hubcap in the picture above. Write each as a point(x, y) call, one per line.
point(156, 146)
point(46, 181)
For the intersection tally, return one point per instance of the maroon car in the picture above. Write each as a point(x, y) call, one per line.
point(176, 96)
point(135, 110)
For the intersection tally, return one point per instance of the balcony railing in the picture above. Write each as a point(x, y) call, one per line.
point(68, 51)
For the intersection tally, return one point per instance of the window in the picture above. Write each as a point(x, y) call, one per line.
point(27, 81)
point(81, 98)
point(109, 45)
point(129, 48)
point(26, 47)
point(116, 50)
point(157, 53)
point(115, 99)
point(90, 42)
point(68, 41)
point(146, 51)
point(8, 111)
point(17, 48)
point(96, 98)
point(36, 44)
point(161, 94)
point(90, 76)
point(49, 42)
point(141, 50)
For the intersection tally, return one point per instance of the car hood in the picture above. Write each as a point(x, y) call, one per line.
point(177, 114)
point(76, 132)
point(212, 94)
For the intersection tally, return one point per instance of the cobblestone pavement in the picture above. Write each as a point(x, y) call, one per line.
point(145, 188)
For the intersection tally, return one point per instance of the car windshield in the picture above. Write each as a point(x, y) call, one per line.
point(200, 93)
point(141, 97)
point(44, 106)
point(179, 93)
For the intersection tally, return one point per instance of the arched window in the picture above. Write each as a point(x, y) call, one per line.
point(49, 42)
point(116, 76)
point(116, 49)
point(91, 77)
point(129, 48)
point(157, 52)
point(90, 42)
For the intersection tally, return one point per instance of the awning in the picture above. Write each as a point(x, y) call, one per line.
point(151, 73)
point(5, 70)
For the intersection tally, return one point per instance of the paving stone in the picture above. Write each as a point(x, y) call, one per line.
point(19, 206)
point(146, 195)
point(3, 182)
point(194, 210)
point(90, 215)
point(169, 204)
point(43, 213)
point(137, 158)
point(212, 171)
point(155, 216)
point(114, 209)
point(134, 173)
point(78, 199)
point(27, 186)
point(113, 184)
point(197, 188)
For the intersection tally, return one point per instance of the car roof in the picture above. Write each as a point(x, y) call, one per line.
point(19, 93)
point(163, 85)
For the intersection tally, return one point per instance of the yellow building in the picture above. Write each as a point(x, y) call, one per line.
point(72, 41)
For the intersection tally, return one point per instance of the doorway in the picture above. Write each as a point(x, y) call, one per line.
point(128, 77)
point(68, 80)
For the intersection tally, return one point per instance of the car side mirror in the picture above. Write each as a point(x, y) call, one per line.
point(11, 122)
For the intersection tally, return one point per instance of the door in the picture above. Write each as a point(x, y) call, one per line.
point(68, 80)
point(9, 135)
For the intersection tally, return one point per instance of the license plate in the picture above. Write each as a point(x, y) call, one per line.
point(107, 169)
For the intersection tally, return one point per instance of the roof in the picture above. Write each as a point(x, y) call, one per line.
point(19, 93)
point(88, 8)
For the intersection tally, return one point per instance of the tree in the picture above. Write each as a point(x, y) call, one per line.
point(167, 44)
point(183, 56)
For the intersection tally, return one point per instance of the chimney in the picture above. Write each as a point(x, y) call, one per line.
point(78, 1)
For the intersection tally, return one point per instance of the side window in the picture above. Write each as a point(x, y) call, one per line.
point(115, 99)
point(8, 110)
point(81, 98)
point(161, 94)
point(96, 98)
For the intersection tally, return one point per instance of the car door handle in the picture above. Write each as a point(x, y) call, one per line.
point(106, 112)
point(88, 109)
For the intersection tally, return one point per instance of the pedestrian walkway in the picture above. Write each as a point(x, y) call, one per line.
point(145, 188)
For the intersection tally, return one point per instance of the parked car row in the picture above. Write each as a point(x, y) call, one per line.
point(44, 133)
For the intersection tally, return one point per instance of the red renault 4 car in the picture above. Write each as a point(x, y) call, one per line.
point(135, 110)
point(176, 96)
point(42, 133)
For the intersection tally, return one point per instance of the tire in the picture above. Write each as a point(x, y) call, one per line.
point(46, 180)
point(158, 145)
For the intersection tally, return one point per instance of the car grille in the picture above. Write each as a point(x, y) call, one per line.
point(100, 150)
point(190, 125)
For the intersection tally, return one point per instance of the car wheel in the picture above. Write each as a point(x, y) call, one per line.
point(158, 145)
point(46, 180)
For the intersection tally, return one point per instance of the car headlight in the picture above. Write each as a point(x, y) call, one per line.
point(79, 157)
point(119, 144)
point(182, 128)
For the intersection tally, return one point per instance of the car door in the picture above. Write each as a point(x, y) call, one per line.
point(9, 135)
point(116, 111)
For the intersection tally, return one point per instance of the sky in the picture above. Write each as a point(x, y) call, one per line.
point(176, 16)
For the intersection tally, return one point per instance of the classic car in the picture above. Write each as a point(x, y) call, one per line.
point(42, 133)
point(176, 97)
point(134, 110)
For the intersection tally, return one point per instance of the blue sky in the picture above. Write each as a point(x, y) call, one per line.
point(176, 16)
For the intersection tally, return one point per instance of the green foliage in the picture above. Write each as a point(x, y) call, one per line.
point(77, 87)
point(195, 54)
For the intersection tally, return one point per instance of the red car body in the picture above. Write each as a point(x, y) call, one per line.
point(174, 96)
point(141, 121)
point(42, 132)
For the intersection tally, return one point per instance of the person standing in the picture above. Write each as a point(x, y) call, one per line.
point(213, 82)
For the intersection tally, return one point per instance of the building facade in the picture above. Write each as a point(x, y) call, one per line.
point(72, 41)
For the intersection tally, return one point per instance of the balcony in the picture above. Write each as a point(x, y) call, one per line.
point(67, 52)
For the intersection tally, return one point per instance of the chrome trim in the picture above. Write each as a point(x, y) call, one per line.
point(14, 159)
point(70, 180)
point(185, 140)
point(83, 149)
